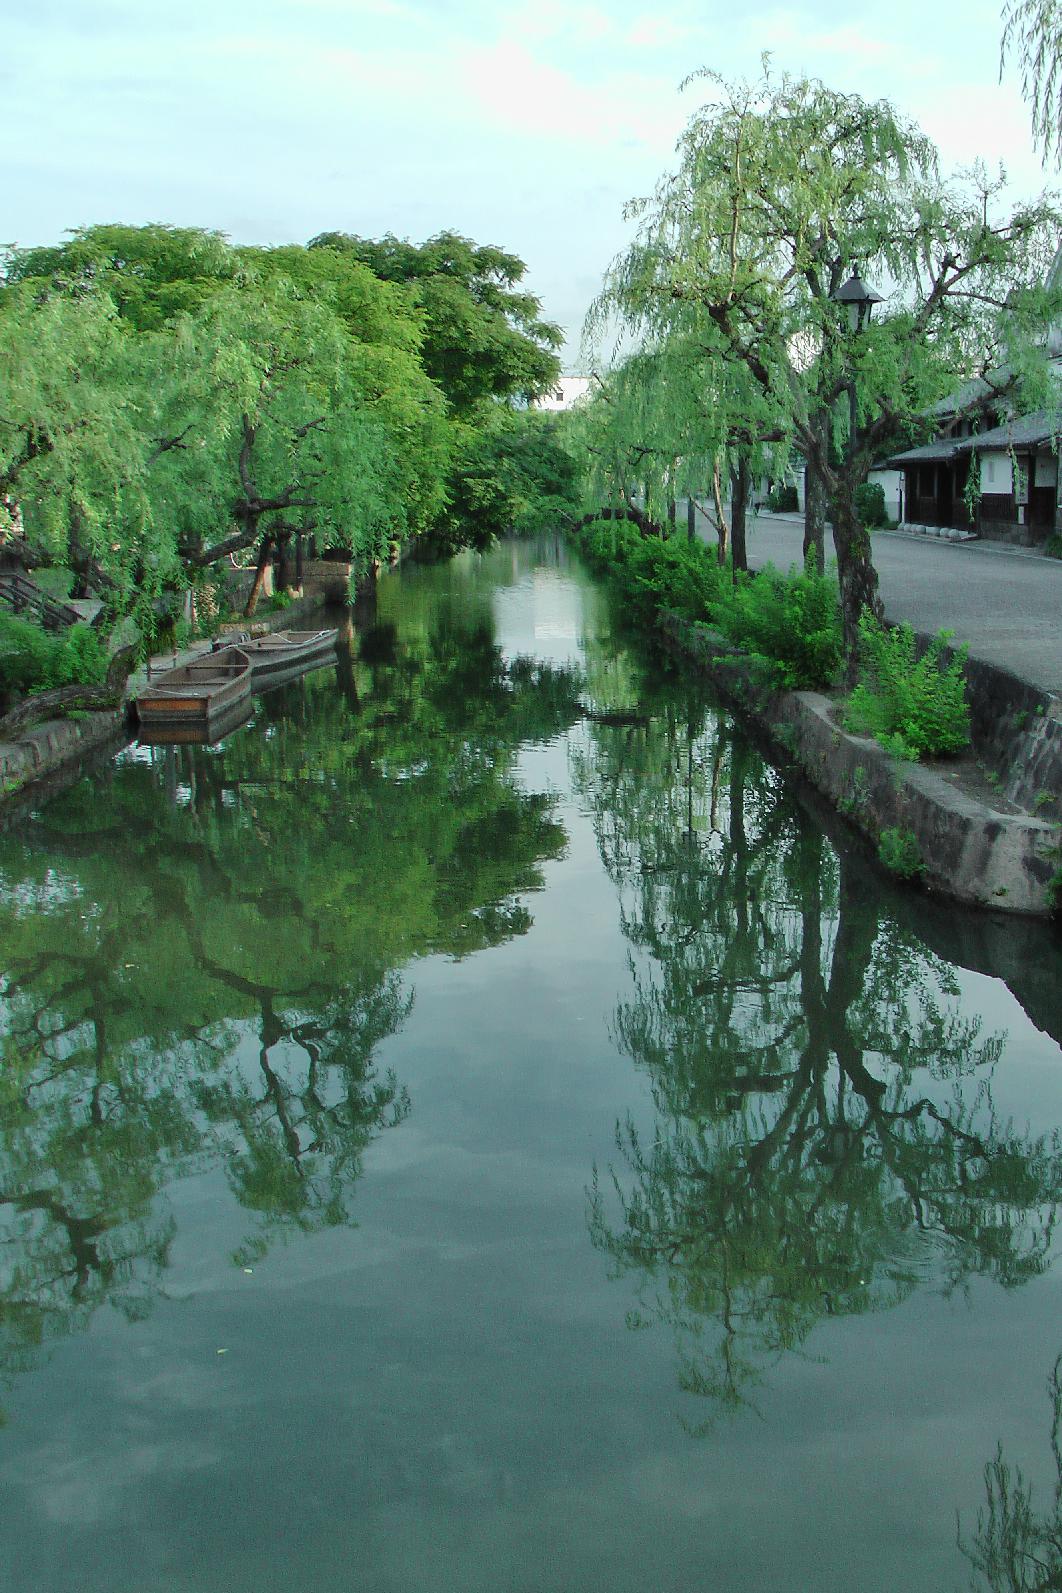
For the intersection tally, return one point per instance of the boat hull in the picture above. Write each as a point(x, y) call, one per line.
point(196, 694)
point(286, 655)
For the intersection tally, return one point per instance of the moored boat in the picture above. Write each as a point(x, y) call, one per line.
point(283, 655)
point(196, 693)
point(198, 732)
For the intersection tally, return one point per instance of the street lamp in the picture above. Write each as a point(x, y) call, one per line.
point(859, 301)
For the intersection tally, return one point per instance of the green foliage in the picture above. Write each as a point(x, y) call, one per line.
point(167, 399)
point(655, 575)
point(1053, 545)
point(1033, 31)
point(869, 498)
point(914, 705)
point(792, 621)
point(782, 499)
point(509, 473)
point(782, 186)
point(900, 853)
point(483, 334)
point(33, 659)
point(151, 274)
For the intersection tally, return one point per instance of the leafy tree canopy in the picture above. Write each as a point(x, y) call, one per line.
point(483, 336)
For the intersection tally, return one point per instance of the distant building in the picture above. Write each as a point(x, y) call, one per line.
point(988, 470)
point(568, 391)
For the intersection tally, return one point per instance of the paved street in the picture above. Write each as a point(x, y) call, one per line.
point(1007, 603)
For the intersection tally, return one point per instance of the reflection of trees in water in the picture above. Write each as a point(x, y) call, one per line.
point(826, 1138)
point(200, 960)
point(1014, 1549)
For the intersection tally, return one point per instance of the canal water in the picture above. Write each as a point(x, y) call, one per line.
point(478, 1128)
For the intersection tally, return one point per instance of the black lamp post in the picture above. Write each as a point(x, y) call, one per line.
point(859, 301)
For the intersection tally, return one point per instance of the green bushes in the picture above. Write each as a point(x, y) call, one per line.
point(792, 621)
point(915, 706)
point(900, 853)
point(783, 499)
point(680, 576)
point(33, 659)
point(870, 504)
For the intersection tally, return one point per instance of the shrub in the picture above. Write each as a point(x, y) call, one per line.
point(915, 706)
point(900, 853)
point(793, 620)
point(33, 659)
point(870, 504)
point(782, 499)
point(1053, 546)
point(677, 575)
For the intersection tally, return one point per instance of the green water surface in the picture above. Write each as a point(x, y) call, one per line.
point(476, 1129)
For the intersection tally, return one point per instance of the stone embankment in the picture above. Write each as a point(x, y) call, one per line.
point(1000, 852)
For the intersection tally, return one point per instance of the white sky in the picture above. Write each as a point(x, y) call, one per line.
point(526, 124)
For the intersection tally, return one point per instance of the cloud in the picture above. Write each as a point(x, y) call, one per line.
point(550, 21)
point(658, 33)
point(521, 93)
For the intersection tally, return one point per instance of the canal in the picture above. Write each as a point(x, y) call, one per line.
point(479, 1128)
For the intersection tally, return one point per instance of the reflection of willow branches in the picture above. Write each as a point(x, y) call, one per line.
point(201, 959)
point(827, 1138)
point(294, 1137)
point(1013, 1549)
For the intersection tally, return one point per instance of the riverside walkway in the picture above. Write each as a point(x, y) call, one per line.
point(1005, 602)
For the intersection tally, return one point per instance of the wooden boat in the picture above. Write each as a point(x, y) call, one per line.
point(196, 693)
point(284, 655)
point(199, 732)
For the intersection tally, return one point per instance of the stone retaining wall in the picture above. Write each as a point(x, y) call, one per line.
point(47, 748)
point(970, 851)
point(1016, 730)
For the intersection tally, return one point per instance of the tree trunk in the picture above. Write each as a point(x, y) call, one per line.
point(691, 520)
point(856, 573)
point(345, 676)
point(259, 576)
point(284, 564)
point(739, 504)
point(815, 499)
point(722, 524)
point(671, 517)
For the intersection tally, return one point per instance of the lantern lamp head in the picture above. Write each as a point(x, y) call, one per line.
point(858, 300)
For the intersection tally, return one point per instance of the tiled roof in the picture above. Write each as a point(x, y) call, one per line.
point(1041, 426)
point(928, 454)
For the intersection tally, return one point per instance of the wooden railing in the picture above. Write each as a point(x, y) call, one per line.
point(24, 596)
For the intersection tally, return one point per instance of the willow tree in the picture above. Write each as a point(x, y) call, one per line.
point(783, 188)
point(1032, 30)
point(315, 433)
point(677, 423)
point(88, 410)
point(166, 400)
